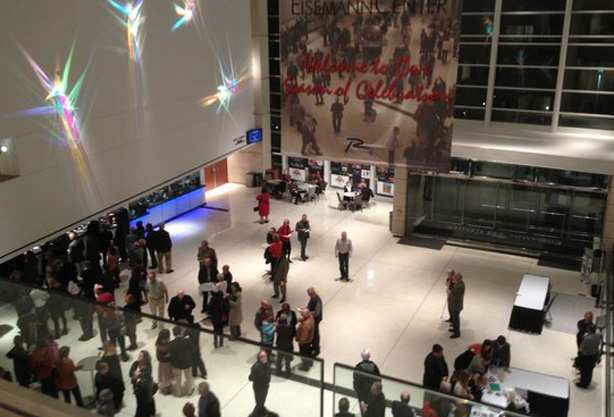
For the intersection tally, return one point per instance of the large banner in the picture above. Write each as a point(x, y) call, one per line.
point(370, 81)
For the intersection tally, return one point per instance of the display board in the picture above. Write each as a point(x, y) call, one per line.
point(370, 81)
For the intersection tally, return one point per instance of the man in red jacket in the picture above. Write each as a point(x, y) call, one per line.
point(103, 298)
point(285, 233)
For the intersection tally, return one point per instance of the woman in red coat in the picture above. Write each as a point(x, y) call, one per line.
point(263, 205)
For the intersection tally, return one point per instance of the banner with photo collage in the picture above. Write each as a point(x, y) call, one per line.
point(371, 81)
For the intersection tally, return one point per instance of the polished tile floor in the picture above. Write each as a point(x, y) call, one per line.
point(392, 306)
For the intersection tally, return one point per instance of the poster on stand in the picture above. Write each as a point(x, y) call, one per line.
point(370, 82)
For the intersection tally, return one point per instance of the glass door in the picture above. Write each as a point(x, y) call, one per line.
point(553, 205)
point(518, 206)
point(481, 204)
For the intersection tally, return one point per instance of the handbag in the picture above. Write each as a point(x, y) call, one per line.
point(256, 208)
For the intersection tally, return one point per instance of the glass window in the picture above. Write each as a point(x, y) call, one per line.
point(529, 55)
point(469, 114)
point(469, 96)
point(533, 5)
point(588, 103)
point(273, 7)
point(597, 39)
point(524, 99)
point(528, 39)
point(472, 75)
point(460, 166)
point(586, 122)
point(572, 178)
point(598, 80)
point(516, 205)
point(492, 170)
point(526, 77)
point(593, 5)
point(480, 203)
point(520, 117)
point(447, 197)
point(586, 214)
point(475, 6)
point(474, 54)
point(550, 217)
point(592, 24)
point(533, 24)
point(590, 56)
point(477, 25)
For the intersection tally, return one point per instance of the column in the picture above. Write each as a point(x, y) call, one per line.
point(608, 224)
point(399, 204)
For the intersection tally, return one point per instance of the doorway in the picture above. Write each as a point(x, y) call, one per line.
point(216, 174)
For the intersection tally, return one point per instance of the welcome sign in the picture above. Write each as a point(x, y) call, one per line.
point(370, 81)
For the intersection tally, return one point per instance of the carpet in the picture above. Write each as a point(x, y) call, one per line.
point(566, 310)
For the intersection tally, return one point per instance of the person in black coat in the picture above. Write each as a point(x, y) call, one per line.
point(207, 274)
point(151, 237)
point(144, 392)
point(362, 383)
point(402, 408)
point(376, 405)
point(344, 408)
point(21, 361)
point(285, 344)
point(260, 376)
point(292, 319)
point(193, 334)
point(104, 380)
point(181, 306)
point(181, 356)
point(502, 355)
point(92, 243)
point(435, 368)
point(219, 315)
point(163, 247)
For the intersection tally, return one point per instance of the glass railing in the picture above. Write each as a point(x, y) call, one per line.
point(422, 401)
point(33, 313)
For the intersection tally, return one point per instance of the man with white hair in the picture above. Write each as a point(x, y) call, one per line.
point(343, 251)
point(363, 382)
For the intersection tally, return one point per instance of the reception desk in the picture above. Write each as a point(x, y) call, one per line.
point(172, 208)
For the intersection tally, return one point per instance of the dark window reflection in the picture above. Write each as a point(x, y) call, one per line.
point(592, 24)
point(539, 24)
point(533, 5)
point(588, 103)
point(520, 117)
point(599, 80)
point(446, 196)
point(492, 170)
point(524, 100)
point(590, 56)
point(474, 54)
point(472, 75)
point(470, 96)
point(526, 77)
point(593, 5)
point(469, 114)
point(572, 178)
point(586, 122)
point(478, 6)
point(477, 25)
point(529, 55)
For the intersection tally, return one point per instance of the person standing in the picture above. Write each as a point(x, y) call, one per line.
point(207, 274)
point(260, 376)
point(343, 251)
point(285, 234)
point(455, 304)
point(280, 278)
point(401, 407)
point(264, 206)
point(181, 306)
point(192, 333)
point(150, 236)
point(285, 337)
point(67, 380)
point(275, 253)
point(205, 251)
point(376, 405)
point(590, 349)
point(392, 145)
point(158, 297)
point(304, 337)
point(217, 312)
point(164, 244)
point(235, 315)
point(337, 110)
point(144, 393)
point(303, 229)
point(181, 359)
point(435, 368)
point(362, 383)
point(132, 314)
point(344, 408)
point(316, 307)
point(208, 404)
point(259, 316)
point(163, 355)
point(21, 361)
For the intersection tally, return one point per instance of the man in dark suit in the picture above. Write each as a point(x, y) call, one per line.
point(207, 274)
point(181, 306)
point(180, 350)
point(376, 406)
point(456, 296)
point(260, 376)
point(362, 383)
point(502, 355)
point(402, 408)
point(435, 368)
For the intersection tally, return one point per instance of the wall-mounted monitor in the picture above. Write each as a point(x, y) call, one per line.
point(254, 135)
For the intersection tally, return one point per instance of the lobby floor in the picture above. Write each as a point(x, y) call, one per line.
point(392, 305)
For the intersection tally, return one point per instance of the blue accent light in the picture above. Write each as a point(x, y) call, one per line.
point(254, 135)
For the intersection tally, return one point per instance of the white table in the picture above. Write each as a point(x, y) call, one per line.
point(536, 388)
point(350, 194)
point(530, 303)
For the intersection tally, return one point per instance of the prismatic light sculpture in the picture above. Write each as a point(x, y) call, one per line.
point(63, 106)
point(131, 16)
point(186, 12)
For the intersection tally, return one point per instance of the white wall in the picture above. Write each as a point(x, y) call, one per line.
point(244, 161)
point(131, 146)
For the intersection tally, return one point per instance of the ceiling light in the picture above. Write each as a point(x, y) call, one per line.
point(4, 149)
